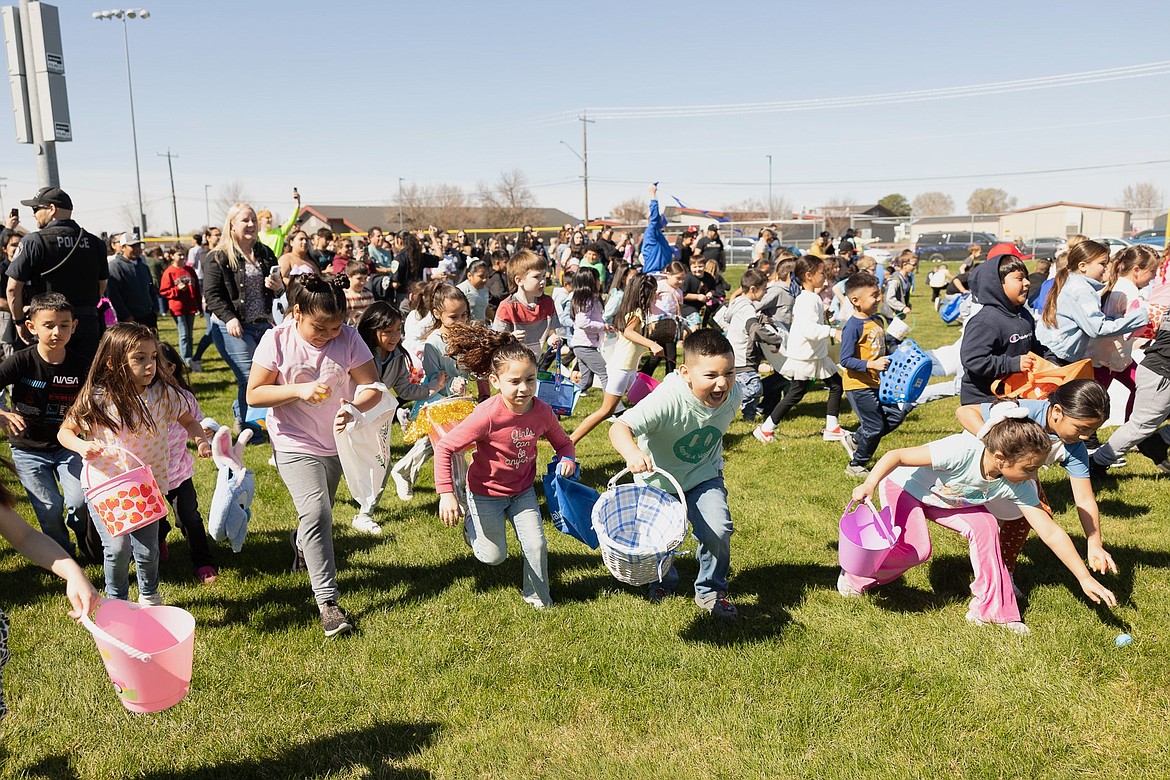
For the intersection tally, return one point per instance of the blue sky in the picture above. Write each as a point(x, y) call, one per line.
point(342, 99)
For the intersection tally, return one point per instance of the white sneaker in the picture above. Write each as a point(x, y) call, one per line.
point(767, 437)
point(366, 525)
point(1016, 626)
point(151, 601)
point(836, 434)
point(849, 443)
point(845, 589)
point(404, 488)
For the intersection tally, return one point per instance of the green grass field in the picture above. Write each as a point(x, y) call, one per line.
point(451, 675)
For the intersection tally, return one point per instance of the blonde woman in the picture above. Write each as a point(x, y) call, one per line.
point(240, 279)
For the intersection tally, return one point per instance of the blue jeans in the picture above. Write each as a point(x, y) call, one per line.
point(486, 525)
point(237, 353)
point(186, 324)
point(40, 472)
point(207, 340)
point(753, 391)
point(143, 545)
point(877, 419)
point(711, 526)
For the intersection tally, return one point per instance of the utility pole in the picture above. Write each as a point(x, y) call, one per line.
point(46, 148)
point(207, 204)
point(171, 171)
point(585, 122)
point(400, 226)
point(769, 187)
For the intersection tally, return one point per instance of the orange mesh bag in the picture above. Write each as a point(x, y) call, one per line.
point(1044, 377)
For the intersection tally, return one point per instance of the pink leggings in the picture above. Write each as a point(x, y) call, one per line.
point(1126, 377)
point(994, 601)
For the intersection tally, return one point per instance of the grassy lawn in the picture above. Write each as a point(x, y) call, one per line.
point(451, 675)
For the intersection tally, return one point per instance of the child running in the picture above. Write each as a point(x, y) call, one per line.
point(121, 406)
point(304, 370)
point(528, 312)
point(448, 308)
point(632, 343)
point(504, 430)
point(588, 329)
point(808, 354)
point(679, 428)
point(950, 481)
point(1129, 276)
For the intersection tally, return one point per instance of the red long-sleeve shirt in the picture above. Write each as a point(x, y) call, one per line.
point(504, 463)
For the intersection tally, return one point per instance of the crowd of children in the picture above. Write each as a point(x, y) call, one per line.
point(810, 320)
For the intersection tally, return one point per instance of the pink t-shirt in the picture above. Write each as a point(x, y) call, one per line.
point(152, 446)
point(300, 426)
point(504, 463)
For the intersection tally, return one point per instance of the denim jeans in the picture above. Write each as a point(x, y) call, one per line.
point(877, 419)
point(186, 324)
point(40, 472)
point(312, 482)
point(143, 545)
point(207, 340)
point(237, 353)
point(486, 525)
point(753, 391)
point(711, 526)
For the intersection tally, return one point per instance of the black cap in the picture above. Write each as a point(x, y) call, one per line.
point(714, 227)
point(49, 196)
point(826, 234)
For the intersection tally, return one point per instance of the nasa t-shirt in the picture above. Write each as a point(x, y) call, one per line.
point(42, 394)
point(300, 426)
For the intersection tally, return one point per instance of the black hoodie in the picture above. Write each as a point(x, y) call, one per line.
point(995, 338)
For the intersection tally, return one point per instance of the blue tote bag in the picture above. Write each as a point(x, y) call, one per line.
point(571, 505)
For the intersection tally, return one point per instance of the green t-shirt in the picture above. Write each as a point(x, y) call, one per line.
point(684, 437)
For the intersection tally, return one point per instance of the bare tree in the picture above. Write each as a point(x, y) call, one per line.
point(230, 194)
point(509, 203)
point(837, 213)
point(933, 204)
point(1143, 197)
point(989, 200)
point(442, 205)
point(631, 211)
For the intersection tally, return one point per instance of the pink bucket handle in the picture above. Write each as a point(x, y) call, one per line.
point(109, 638)
point(891, 534)
point(85, 483)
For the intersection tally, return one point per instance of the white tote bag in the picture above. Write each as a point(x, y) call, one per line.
point(364, 447)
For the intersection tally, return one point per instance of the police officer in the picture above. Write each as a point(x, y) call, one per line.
point(60, 257)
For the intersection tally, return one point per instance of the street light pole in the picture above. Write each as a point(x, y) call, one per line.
point(769, 187)
point(174, 200)
point(207, 204)
point(122, 15)
point(400, 224)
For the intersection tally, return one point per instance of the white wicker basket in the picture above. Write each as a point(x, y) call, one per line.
point(639, 527)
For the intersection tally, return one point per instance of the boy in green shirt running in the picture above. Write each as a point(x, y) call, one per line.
point(679, 429)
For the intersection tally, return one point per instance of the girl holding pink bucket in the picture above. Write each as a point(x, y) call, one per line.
point(119, 412)
point(950, 481)
point(43, 551)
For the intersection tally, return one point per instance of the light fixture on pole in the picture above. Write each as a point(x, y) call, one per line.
point(122, 14)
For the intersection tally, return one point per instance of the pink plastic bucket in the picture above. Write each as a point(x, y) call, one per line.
point(641, 387)
point(866, 537)
point(147, 651)
point(126, 501)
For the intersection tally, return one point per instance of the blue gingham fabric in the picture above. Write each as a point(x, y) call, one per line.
point(639, 520)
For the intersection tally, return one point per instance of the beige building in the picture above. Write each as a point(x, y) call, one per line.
point(1060, 219)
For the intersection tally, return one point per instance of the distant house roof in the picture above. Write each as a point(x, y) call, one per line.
point(865, 209)
point(1067, 205)
point(358, 219)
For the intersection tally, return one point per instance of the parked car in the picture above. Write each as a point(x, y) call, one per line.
point(737, 250)
point(1114, 243)
point(1153, 237)
point(1045, 248)
point(941, 247)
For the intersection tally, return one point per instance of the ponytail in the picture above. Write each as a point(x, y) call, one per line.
point(481, 351)
point(316, 296)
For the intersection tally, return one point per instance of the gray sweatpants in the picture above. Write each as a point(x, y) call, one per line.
point(1150, 409)
point(312, 482)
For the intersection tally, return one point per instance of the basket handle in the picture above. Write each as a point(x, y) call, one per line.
point(109, 638)
point(88, 464)
point(889, 533)
point(678, 488)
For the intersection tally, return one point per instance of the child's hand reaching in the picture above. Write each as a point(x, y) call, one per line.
point(441, 380)
point(1027, 362)
point(863, 491)
point(657, 350)
point(1098, 592)
point(1100, 561)
point(90, 450)
point(342, 418)
point(566, 467)
point(449, 510)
